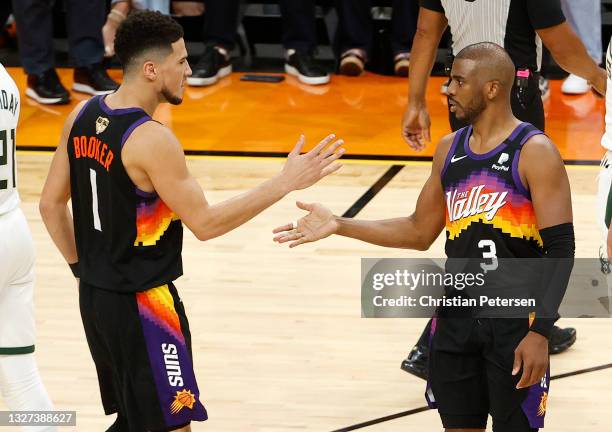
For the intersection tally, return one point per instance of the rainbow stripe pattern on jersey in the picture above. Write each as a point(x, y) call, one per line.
point(153, 217)
point(487, 198)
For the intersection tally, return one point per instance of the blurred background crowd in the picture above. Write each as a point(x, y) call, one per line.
point(309, 39)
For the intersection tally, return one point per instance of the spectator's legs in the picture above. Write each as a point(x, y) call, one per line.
point(34, 31)
point(35, 36)
point(585, 18)
point(403, 25)
point(221, 21)
point(403, 29)
point(354, 36)
point(299, 25)
point(300, 41)
point(354, 25)
point(84, 21)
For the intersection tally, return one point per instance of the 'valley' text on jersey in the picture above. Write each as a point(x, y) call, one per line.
point(488, 209)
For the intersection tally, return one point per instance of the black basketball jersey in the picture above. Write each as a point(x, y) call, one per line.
point(489, 210)
point(127, 240)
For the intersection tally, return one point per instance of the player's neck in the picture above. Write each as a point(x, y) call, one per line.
point(491, 128)
point(131, 96)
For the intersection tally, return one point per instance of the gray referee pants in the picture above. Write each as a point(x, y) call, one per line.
point(84, 21)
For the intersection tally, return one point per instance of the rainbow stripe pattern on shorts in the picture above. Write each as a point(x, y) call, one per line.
point(169, 356)
point(157, 306)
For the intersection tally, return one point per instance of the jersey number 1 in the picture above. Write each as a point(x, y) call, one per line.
point(94, 200)
point(4, 157)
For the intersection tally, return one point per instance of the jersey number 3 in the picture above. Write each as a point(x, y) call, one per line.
point(488, 252)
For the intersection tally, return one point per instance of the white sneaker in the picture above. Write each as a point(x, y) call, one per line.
point(575, 85)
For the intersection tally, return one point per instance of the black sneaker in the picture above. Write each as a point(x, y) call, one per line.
point(46, 88)
point(561, 339)
point(93, 80)
point(303, 66)
point(417, 362)
point(212, 66)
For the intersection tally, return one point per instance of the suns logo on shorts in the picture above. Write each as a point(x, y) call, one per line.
point(542, 407)
point(183, 398)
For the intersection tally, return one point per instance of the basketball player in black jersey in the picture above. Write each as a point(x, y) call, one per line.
point(131, 192)
point(485, 366)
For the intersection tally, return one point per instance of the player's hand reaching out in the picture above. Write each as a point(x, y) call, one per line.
point(304, 170)
point(415, 127)
point(316, 225)
point(532, 354)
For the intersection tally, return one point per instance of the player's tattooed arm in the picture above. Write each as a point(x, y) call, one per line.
point(53, 204)
point(155, 160)
point(417, 231)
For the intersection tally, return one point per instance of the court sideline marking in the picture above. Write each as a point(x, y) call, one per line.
point(426, 408)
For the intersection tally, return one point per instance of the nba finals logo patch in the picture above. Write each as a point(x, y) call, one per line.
point(182, 399)
point(542, 407)
point(101, 124)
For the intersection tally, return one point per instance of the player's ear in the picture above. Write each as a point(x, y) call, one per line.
point(149, 70)
point(493, 89)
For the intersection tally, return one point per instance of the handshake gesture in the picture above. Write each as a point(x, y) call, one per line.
point(316, 225)
point(301, 171)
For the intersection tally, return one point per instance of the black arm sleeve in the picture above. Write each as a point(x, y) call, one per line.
point(434, 5)
point(559, 245)
point(545, 13)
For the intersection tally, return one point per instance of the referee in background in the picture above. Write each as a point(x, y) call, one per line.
point(520, 26)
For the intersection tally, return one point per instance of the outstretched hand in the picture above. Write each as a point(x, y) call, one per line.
point(304, 170)
point(316, 225)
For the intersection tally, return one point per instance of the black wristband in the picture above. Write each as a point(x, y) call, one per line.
point(75, 269)
point(543, 326)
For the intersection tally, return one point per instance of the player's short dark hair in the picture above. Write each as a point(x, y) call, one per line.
point(143, 31)
point(494, 62)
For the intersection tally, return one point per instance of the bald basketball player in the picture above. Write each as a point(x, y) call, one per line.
point(485, 366)
point(131, 192)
